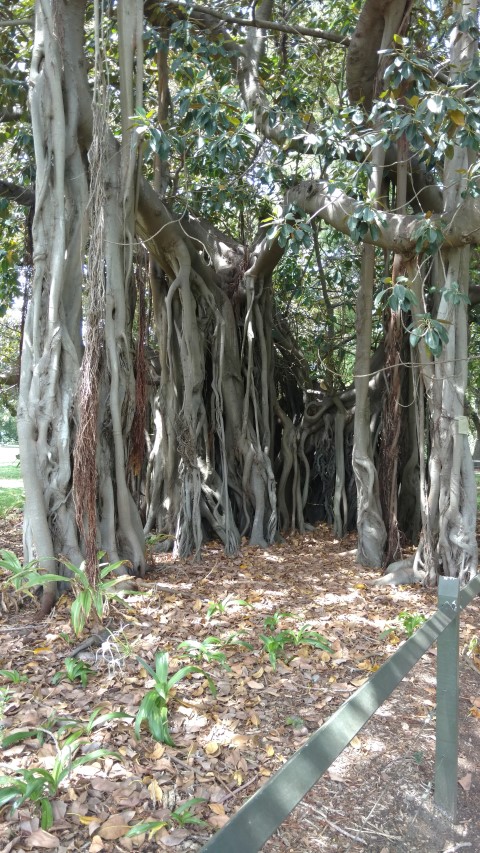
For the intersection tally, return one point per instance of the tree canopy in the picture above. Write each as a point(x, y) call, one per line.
point(249, 238)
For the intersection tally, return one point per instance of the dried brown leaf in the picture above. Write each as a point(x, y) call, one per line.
point(42, 839)
point(174, 838)
point(466, 782)
point(116, 825)
point(218, 820)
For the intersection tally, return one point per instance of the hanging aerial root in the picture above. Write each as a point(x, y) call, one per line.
point(84, 454)
point(137, 432)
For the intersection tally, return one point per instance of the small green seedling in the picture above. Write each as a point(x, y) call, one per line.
point(235, 639)
point(274, 644)
point(154, 705)
point(207, 650)
point(183, 816)
point(271, 622)
point(388, 633)
point(224, 605)
point(13, 675)
point(89, 600)
point(77, 731)
point(74, 669)
point(39, 785)
point(73, 732)
point(150, 826)
point(410, 621)
point(306, 636)
point(473, 646)
point(295, 722)
point(17, 576)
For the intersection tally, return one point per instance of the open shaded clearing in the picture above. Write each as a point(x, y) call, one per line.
point(377, 796)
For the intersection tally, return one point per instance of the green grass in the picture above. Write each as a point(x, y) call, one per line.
point(11, 497)
point(10, 472)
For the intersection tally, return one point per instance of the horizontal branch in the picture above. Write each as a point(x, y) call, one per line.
point(21, 195)
point(394, 232)
point(9, 380)
point(326, 35)
point(16, 22)
point(12, 116)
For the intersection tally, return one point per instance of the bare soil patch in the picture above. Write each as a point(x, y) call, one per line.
point(376, 797)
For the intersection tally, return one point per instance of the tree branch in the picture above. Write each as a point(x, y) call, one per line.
point(22, 195)
point(397, 233)
point(377, 22)
point(259, 23)
point(245, 60)
point(16, 22)
point(11, 116)
point(9, 379)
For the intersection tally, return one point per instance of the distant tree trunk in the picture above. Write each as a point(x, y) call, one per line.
point(370, 526)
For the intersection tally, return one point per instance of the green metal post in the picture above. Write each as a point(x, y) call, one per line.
point(446, 756)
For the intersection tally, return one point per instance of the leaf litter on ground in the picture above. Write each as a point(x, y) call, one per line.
point(224, 743)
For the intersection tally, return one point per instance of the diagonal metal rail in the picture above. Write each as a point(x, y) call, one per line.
point(259, 817)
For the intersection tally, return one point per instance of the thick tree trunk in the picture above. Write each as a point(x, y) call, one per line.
point(52, 351)
point(52, 345)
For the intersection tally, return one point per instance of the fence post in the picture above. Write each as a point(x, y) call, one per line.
point(446, 753)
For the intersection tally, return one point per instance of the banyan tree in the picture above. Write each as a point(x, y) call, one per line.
point(191, 163)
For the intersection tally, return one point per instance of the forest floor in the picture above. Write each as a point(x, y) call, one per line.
point(376, 797)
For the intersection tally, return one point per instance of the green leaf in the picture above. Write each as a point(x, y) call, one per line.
point(440, 331)
point(161, 667)
point(150, 702)
point(146, 667)
point(46, 820)
point(109, 568)
point(89, 757)
point(9, 794)
point(77, 616)
point(154, 710)
point(13, 675)
point(98, 602)
point(17, 737)
point(105, 718)
point(378, 299)
point(182, 673)
point(415, 337)
point(151, 826)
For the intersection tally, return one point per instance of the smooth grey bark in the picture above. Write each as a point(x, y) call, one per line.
point(52, 352)
point(376, 25)
point(213, 465)
point(370, 526)
point(397, 233)
point(52, 344)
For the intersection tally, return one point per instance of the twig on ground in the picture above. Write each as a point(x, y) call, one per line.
point(241, 788)
point(183, 764)
point(337, 828)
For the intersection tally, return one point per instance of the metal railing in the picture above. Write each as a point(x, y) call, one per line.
point(254, 823)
